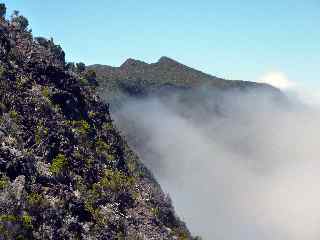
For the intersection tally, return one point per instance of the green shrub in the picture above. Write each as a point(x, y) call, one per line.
point(95, 211)
point(101, 146)
point(91, 114)
point(96, 214)
point(120, 236)
point(15, 226)
point(83, 81)
point(21, 81)
point(58, 164)
point(45, 92)
point(81, 127)
point(13, 114)
point(182, 235)
point(107, 126)
point(27, 220)
point(111, 158)
point(34, 199)
point(3, 183)
point(132, 166)
point(2, 71)
point(116, 180)
point(155, 211)
point(8, 218)
point(41, 131)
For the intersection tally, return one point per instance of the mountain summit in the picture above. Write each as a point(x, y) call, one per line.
point(167, 61)
point(137, 78)
point(132, 63)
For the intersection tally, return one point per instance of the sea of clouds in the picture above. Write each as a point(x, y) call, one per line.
point(237, 165)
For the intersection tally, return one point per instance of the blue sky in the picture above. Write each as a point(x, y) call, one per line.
point(232, 39)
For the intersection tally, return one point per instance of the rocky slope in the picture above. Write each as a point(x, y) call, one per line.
point(65, 172)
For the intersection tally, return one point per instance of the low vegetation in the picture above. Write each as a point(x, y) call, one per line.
point(65, 171)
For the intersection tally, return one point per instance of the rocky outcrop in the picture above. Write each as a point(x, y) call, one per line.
point(65, 171)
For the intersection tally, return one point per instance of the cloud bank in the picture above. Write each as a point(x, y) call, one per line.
point(294, 89)
point(238, 166)
point(277, 79)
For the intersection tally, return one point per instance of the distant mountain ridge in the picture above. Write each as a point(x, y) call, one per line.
point(166, 71)
point(138, 78)
point(172, 83)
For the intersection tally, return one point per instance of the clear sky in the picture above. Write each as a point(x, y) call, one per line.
point(232, 39)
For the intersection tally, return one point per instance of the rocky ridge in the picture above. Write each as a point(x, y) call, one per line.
point(139, 79)
point(65, 171)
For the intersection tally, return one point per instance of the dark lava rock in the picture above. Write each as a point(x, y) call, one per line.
point(65, 171)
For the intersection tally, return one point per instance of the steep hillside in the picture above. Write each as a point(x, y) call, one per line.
point(65, 172)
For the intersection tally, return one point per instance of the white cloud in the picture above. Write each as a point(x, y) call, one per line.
point(294, 89)
point(234, 173)
point(277, 79)
point(307, 95)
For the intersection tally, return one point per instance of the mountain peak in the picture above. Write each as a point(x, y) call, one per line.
point(130, 62)
point(167, 60)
